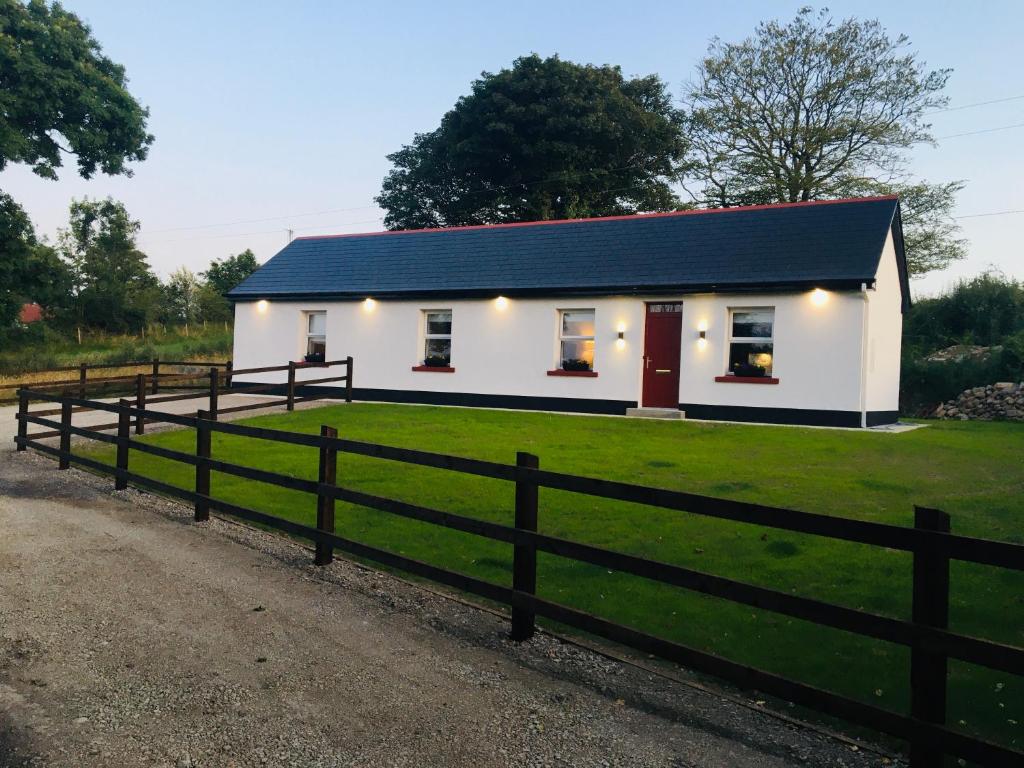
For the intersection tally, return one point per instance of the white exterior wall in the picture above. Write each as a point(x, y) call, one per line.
point(494, 352)
point(818, 349)
point(884, 335)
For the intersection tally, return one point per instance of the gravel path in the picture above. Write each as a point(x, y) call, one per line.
point(131, 636)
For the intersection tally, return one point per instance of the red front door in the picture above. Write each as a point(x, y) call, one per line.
point(662, 341)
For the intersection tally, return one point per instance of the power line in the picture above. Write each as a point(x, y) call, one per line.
point(259, 221)
point(992, 213)
point(278, 231)
point(984, 130)
point(974, 104)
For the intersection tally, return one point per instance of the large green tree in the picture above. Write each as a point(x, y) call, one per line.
point(59, 92)
point(115, 288)
point(225, 274)
point(817, 109)
point(546, 139)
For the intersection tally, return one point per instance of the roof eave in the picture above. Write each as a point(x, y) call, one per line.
point(837, 284)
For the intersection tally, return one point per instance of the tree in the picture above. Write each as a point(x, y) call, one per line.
point(55, 84)
point(545, 139)
point(815, 109)
point(223, 275)
point(17, 241)
point(181, 293)
point(29, 270)
point(114, 286)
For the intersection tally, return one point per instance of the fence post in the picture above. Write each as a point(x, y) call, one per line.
point(228, 367)
point(124, 430)
point(348, 379)
point(140, 403)
point(928, 669)
point(65, 431)
point(214, 387)
point(203, 441)
point(82, 368)
point(22, 424)
point(524, 558)
point(291, 385)
point(156, 375)
point(328, 475)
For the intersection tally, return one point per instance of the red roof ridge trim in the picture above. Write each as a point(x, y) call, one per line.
point(626, 217)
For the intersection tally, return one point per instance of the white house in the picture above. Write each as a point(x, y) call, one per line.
point(779, 313)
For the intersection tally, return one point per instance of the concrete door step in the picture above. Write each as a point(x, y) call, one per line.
point(656, 413)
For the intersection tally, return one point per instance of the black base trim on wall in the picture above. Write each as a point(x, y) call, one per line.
point(468, 399)
point(877, 418)
point(799, 416)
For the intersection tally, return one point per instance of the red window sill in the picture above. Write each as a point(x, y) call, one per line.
point(581, 374)
point(432, 369)
point(747, 379)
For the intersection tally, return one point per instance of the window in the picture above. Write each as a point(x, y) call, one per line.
point(576, 335)
point(316, 337)
point(437, 338)
point(751, 341)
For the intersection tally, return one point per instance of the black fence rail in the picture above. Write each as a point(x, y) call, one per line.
point(83, 384)
point(930, 543)
point(211, 384)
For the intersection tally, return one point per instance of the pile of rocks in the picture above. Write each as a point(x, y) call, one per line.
point(1002, 402)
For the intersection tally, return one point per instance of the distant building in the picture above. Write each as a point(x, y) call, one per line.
point(30, 313)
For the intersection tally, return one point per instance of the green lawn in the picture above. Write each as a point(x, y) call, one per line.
point(974, 471)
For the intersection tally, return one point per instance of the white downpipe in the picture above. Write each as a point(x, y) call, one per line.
point(864, 357)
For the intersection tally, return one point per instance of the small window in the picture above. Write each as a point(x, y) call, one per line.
point(437, 338)
point(316, 337)
point(751, 341)
point(577, 339)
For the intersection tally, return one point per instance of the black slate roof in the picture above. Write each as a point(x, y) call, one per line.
point(834, 244)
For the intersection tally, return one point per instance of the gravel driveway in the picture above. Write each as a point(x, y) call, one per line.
point(131, 636)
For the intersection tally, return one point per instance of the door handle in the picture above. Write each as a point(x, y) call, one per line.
point(663, 370)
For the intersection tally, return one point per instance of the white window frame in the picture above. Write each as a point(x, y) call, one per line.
point(427, 336)
point(749, 339)
point(309, 336)
point(563, 338)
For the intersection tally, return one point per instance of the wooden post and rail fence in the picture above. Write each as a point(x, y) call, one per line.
point(929, 542)
point(216, 381)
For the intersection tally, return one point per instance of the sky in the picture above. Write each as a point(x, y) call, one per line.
point(278, 116)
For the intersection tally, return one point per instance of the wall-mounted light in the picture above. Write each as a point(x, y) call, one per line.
point(261, 306)
point(501, 303)
point(819, 297)
point(702, 333)
point(620, 341)
point(369, 304)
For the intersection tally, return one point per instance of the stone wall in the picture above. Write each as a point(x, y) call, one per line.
point(996, 402)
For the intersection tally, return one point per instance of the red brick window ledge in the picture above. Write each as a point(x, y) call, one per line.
point(578, 374)
point(433, 369)
point(747, 379)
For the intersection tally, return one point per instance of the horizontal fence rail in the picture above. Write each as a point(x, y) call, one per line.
point(212, 383)
point(927, 635)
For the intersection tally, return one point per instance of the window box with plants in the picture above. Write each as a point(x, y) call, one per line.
point(574, 367)
point(435, 364)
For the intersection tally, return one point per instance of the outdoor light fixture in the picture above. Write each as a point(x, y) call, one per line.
point(620, 341)
point(702, 333)
point(261, 306)
point(369, 304)
point(501, 303)
point(819, 297)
